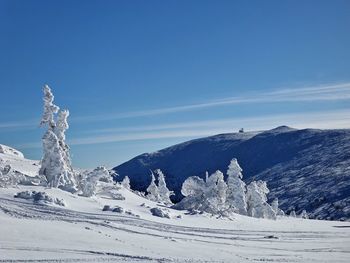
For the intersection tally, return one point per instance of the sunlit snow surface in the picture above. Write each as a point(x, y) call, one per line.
point(17, 161)
point(82, 232)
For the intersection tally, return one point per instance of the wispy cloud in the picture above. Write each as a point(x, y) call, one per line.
point(325, 120)
point(326, 92)
point(340, 91)
point(18, 125)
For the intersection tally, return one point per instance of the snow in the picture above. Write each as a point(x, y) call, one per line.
point(82, 232)
point(10, 151)
point(17, 161)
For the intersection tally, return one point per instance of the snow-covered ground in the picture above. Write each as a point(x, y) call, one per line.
point(17, 161)
point(52, 225)
point(82, 232)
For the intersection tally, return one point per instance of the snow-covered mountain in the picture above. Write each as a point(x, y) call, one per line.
point(306, 169)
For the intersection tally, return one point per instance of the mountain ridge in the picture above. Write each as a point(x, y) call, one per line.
point(306, 169)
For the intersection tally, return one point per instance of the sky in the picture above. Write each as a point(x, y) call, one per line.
point(138, 76)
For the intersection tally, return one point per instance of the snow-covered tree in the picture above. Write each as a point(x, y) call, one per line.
point(126, 182)
point(50, 109)
point(164, 192)
point(236, 188)
point(193, 189)
point(257, 201)
point(193, 186)
point(207, 196)
point(216, 196)
point(152, 190)
point(215, 192)
point(56, 164)
point(60, 129)
point(89, 180)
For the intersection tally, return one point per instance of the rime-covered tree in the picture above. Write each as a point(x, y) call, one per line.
point(89, 180)
point(216, 196)
point(274, 205)
point(56, 165)
point(193, 189)
point(215, 193)
point(50, 109)
point(60, 129)
point(164, 192)
point(257, 201)
point(152, 190)
point(126, 182)
point(207, 196)
point(236, 188)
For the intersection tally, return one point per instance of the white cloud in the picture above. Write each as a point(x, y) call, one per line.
point(14, 125)
point(323, 120)
point(326, 92)
point(340, 91)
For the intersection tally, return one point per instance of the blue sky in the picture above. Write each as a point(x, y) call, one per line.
point(138, 76)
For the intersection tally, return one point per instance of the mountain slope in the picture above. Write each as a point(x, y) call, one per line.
point(15, 159)
point(306, 169)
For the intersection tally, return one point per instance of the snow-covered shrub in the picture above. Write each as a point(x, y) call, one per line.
point(304, 215)
point(236, 189)
point(156, 211)
point(40, 197)
point(193, 189)
point(292, 213)
point(257, 201)
point(205, 196)
point(9, 177)
point(126, 182)
point(278, 211)
point(97, 180)
point(56, 164)
point(193, 186)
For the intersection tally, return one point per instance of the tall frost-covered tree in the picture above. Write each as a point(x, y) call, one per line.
point(236, 188)
point(257, 201)
point(152, 190)
point(50, 109)
point(215, 192)
point(56, 165)
point(60, 129)
point(164, 192)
